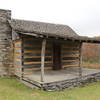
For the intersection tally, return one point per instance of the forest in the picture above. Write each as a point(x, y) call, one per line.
point(91, 55)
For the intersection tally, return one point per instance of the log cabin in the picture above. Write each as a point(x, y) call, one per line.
point(45, 55)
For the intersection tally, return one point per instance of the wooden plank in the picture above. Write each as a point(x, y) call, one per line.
point(17, 42)
point(35, 51)
point(17, 48)
point(36, 56)
point(17, 63)
point(19, 66)
point(32, 51)
point(17, 59)
point(70, 60)
point(70, 63)
point(70, 56)
point(17, 53)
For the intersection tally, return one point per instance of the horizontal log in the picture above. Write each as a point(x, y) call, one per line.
point(36, 59)
point(35, 51)
point(19, 43)
point(17, 53)
point(66, 51)
point(70, 60)
point(32, 51)
point(74, 65)
point(70, 53)
point(30, 45)
point(17, 63)
point(36, 56)
point(19, 66)
point(17, 48)
point(70, 56)
point(16, 59)
point(25, 63)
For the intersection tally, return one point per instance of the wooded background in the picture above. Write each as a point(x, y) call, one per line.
point(91, 54)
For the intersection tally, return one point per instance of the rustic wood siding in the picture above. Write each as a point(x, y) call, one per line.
point(32, 54)
point(70, 54)
point(18, 57)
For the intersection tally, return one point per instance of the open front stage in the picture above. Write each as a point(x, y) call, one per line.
point(62, 79)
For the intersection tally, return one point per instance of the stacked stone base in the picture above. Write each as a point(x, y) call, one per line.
point(71, 83)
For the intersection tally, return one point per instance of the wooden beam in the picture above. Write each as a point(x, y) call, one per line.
point(43, 59)
point(22, 61)
point(80, 60)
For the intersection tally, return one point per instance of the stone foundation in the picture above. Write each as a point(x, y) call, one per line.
point(5, 43)
point(71, 83)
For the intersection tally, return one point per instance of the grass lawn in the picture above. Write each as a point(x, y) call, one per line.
point(11, 89)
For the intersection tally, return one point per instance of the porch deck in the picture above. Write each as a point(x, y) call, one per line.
point(60, 75)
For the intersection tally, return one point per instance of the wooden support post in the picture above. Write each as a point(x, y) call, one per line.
point(43, 59)
point(80, 60)
point(22, 60)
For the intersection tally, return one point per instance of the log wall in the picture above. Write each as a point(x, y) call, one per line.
point(70, 54)
point(18, 58)
point(32, 54)
point(31, 48)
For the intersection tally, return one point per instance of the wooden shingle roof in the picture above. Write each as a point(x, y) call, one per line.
point(49, 30)
point(42, 28)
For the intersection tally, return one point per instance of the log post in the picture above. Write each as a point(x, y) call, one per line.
point(43, 59)
point(80, 60)
point(22, 60)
